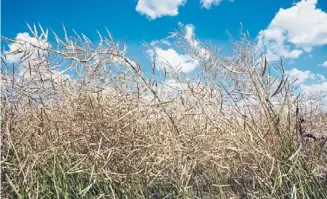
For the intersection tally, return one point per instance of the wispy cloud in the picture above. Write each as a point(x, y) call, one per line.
point(208, 3)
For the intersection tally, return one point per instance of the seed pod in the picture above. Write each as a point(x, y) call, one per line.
point(264, 67)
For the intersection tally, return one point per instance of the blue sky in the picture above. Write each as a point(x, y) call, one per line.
point(299, 27)
point(123, 20)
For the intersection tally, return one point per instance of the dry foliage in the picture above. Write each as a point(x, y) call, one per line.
point(81, 119)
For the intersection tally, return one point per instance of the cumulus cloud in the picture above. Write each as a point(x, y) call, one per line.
point(25, 44)
point(309, 83)
point(304, 24)
point(315, 88)
point(155, 9)
point(295, 30)
point(301, 76)
point(31, 56)
point(170, 60)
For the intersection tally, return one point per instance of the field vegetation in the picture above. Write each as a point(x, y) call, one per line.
point(81, 119)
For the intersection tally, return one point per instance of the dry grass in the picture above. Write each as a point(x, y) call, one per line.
point(107, 132)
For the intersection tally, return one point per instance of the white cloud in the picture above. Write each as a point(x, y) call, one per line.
point(163, 41)
point(293, 54)
point(29, 52)
point(185, 62)
point(150, 53)
point(304, 24)
point(24, 43)
point(31, 56)
point(315, 88)
point(273, 41)
point(301, 76)
point(159, 8)
point(171, 89)
point(201, 52)
point(291, 62)
point(309, 83)
point(294, 30)
point(321, 77)
point(208, 3)
point(190, 35)
point(324, 64)
point(171, 60)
